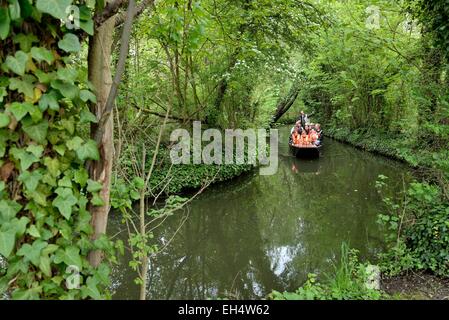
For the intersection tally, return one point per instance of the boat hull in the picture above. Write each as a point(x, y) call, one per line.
point(306, 152)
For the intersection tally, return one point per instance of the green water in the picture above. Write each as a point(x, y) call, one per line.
point(244, 238)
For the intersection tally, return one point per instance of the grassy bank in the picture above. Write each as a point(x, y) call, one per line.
point(168, 179)
point(398, 147)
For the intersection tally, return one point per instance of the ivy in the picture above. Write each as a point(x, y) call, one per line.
point(45, 190)
point(69, 43)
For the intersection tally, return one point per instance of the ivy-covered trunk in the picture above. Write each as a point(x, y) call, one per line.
point(45, 190)
point(100, 46)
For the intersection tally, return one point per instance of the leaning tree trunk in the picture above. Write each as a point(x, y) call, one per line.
point(285, 104)
point(99, 60)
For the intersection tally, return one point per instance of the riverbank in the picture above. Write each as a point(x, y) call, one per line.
point(417, 286)
point(413, 284)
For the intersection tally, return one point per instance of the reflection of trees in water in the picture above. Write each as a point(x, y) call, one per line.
point(216, 257)
point(262, 233)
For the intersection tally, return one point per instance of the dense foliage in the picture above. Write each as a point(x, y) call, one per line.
point(45, 190)
point(370, 73)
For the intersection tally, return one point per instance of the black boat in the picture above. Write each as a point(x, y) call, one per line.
point(303, 151)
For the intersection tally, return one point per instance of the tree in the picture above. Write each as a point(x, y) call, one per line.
point(45, 188)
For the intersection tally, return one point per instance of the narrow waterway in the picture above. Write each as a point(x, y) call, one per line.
point(244, 238)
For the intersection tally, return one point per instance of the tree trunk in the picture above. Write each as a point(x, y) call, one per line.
point(285, 104)
point(99, 62)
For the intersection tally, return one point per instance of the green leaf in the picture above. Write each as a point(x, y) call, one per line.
point(25, 87)
point(36, 150)
point(4, 120)
point(7, 242)
point(44, 77)
point(49, 100)
point(93, 186)
point(27, 294)
point(74, 143)
point(69, 125)
point(52, 166)
point(9, 209)
point(86, 117)
point(37, 132)
point(134, 195)
point(3, 93)
point(70, 256)
point(30, 179)
point(25, 41)
point(81, 177)
point(36, 115)
point(17, 63)
point(67, 74)
point(138, 182)
point(26, 8)
point(55, 8)
point(41, 54)
point(44, 265)
point(5, 22)
point(20, 110)
point(87, 26)
point(66, 181)
point(60, 149)
point(102, 274)
point(88, 151)
point(65, 201)
point(32, 252)
point(50, 249)
point(90, 289)
point(26, 159)
point(86, 95)
point(68, 90)
point(70, 43)
point(32, 231)
point(14, 10)
point(96, 200)
point(20, 225)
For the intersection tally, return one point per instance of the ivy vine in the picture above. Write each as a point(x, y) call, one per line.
point(45, 190)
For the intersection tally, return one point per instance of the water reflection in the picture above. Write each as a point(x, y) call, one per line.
point(258, 233)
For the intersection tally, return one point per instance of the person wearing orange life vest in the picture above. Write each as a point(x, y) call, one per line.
point(296, 137)
point(313, 136)
point(304, 138)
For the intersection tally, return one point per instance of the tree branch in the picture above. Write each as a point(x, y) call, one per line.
point(111, 9)
point(138, 10)
point(124, 48)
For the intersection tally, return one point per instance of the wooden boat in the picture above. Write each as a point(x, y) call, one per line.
point(305, 151)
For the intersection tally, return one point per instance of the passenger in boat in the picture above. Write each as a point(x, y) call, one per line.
point(313, 136)
point(296, 129)
point(296, 137)
point(319, 133)
point(304, 138)
point(307, 129)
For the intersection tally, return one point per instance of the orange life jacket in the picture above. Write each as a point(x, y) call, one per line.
point(296, 138)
